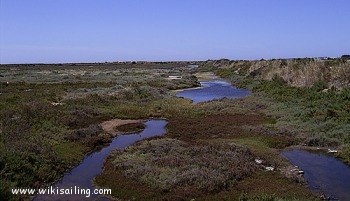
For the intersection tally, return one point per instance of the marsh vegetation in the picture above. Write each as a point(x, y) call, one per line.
point(50, 122)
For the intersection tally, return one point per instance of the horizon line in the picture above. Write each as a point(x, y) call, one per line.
point(166, 61)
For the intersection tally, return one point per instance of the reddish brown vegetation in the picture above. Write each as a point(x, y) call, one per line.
point(212, 126)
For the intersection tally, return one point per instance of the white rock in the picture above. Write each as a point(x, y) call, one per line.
point(332, 151)
point(174, 77)
point(269, 168)
point(258, 161)
point(56, 104)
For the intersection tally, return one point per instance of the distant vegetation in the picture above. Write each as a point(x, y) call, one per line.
point(347, 56)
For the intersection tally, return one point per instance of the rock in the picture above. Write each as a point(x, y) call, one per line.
point(56, 104)
point(269, 168)
point(258, 161)
point(297, 170)
point(332, 151)
point(174, 77)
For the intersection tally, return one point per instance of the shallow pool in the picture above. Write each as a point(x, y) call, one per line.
point(323, 173)
point(212, 90)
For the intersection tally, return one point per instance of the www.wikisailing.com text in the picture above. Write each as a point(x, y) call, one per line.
point(74, 190)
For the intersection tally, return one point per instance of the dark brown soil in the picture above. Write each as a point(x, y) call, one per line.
point(130, 128)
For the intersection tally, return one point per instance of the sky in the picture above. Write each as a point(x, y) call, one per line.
point(59, 31)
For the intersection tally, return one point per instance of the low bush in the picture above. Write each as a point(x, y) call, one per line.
point(168, 164)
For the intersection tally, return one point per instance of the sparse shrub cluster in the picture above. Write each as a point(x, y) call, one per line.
point(168, 164)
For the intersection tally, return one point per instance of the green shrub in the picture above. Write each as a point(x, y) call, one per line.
point(319, 86)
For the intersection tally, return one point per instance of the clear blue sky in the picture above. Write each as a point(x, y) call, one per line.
point(112, 30)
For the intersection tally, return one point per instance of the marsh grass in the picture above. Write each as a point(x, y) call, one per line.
point(151, 170)
point(39, 140)
point(70, 152)
point(48, 116)
point(212, 126)
point(170, 163)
